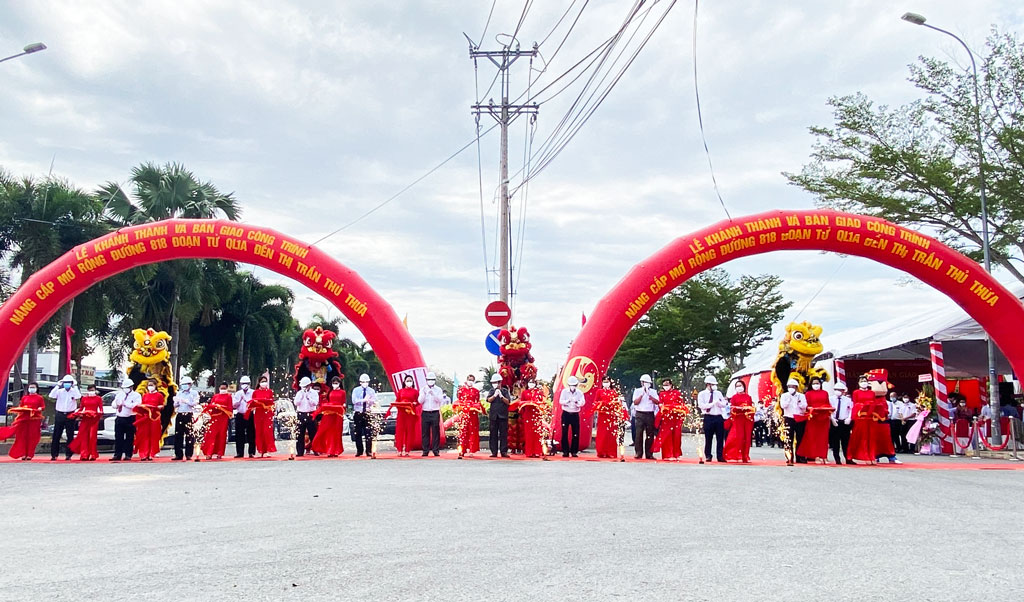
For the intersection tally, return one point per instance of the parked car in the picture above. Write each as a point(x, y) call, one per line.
point(384, 401)
point(105, 434)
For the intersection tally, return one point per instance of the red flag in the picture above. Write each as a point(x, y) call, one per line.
point(68, 331)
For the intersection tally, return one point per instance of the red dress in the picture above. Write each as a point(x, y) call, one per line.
point(533, 420)
point(27, 427)
point(610, 414)
point(262, 408)
point(216, 437)
point(148, 430)
point(670, 423)
point(468, 409)
point(89, 415)
point(862, 443)
point(328, 438)
point(819, 419)
point(407, 422)
point(737, 443)
point(880, 430)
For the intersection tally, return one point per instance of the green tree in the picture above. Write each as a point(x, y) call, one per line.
point(917, 164)
point(169, 294)
point(708, 323)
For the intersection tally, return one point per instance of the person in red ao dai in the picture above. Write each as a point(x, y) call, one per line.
point(670, 421)
point(89, 414)
point(407, 421)
point(531, 417)
point(737, 443)
point(572, 401)
point(468, 409)
point(610, 414)
point(814, 444)
point(220, 410)
point(328, 439)
point(27, 427)
point(147, 423)
point(262, 407)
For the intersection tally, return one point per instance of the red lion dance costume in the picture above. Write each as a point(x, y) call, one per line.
point(515, 364)
point(316, 360)
point(611, 414)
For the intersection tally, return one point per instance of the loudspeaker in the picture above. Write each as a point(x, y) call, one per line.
point(1005, 393)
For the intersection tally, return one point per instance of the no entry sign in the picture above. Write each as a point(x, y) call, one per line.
point(498, 313)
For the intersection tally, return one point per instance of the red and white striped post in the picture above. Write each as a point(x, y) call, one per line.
point(941, 397)
point(840, 372)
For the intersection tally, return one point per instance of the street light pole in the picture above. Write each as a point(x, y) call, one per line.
point(326, 304)
point(36, 47)
point(993, 385)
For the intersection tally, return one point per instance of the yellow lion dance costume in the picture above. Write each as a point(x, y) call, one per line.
point(796, 352)
point(150, 359)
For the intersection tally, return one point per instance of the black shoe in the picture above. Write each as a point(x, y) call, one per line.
point(240, 456)
point(494, 455)
point(567, 455)
point(252, 455)
point(638, 457)
point(361, 453)
point(425, 454)
point(436, 454)
point(575, 455)
point(650, 457)
point(299, 455)
point(851, 462)
point(53, 459)
point(504, 455)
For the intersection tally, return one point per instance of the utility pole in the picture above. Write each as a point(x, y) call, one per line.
point(504, 114)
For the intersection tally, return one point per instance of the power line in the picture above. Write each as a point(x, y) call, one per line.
point(700, 117)
point(488, 22)
point(406, 188)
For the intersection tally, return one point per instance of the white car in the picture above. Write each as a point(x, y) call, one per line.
point(105, 434)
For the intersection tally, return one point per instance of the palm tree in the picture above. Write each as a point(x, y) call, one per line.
point(172, 294)
point(259, 312)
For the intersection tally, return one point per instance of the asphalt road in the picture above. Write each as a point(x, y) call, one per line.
point(433, 529)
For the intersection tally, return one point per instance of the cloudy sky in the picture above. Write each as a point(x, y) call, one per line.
point(313, 113)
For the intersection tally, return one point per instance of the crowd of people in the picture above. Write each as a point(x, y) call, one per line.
point(862, 427)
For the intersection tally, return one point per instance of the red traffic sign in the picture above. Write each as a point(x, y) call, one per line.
point(498, 313)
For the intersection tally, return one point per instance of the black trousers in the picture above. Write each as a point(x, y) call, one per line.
point(62, 424)
point(184, 436)
point(760, 433)
point(795, 432)
point(124, 437)
point(245, 432)
point(499, 436)
point(894, 433)
point(430, 431)
point(644, 437)
point(361, 432)
point(307, 426)
point(570, 421)
point(904, 431)
point(714, 428)
point(839, 439)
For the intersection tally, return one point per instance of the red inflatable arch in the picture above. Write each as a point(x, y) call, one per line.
point(50, 288)
point(996, 309)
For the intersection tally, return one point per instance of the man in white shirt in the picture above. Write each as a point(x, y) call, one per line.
point(67, 395)
point(794, 411)
point(363, 400)
point(839, 434)
point(714, 408)
point(124, 420)
point(185, 402)
point(572, 401)
point(895, 416)
point(307, 400)
point(431, 399)
point(645, 403)
point(245, 424)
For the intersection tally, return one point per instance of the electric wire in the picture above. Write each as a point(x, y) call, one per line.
point(488, 22)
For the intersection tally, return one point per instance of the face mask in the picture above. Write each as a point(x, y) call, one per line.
point(127, 388)
point(906, 400)
point(792, 389)
point(531, 385)
point(430, 383)
point(245, 387)
point(67, 386)
point(92, 393)
point(644, 385)
point(223, 391)
point(151, 388)
point(714, 387)
point(815, 386)
point(864, 385)
point(606, 385)
point(335, 386)
point(408, 384)
point(470, 383)
point(186, 387)
point(666, 387)
point(739, 389)
point(366, 383)
point(31, 389)
point(572, 388)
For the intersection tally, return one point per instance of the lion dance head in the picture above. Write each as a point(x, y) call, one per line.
point(150, 347)
point(316, 345)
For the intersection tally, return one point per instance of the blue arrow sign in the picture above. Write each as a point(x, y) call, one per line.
point(491, 342)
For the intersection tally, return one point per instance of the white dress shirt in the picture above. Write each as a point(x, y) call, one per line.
point(363, 398)
point(712, 403)
point(306, 400)
point(645, 400)
point(125, 402)
point(67, 401)
point(910, 411)
point(240, 400)
point(842, 406)
point(432, 398)
point(571, 401)
point(185, 402)
point(793, 404)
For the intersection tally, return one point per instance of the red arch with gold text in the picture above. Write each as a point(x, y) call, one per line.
point(51, 287)
point(995, 308)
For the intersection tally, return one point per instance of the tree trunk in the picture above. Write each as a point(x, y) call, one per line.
point(218, 376)
point(64, 356)
point(241, 349)
point(19, 380)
